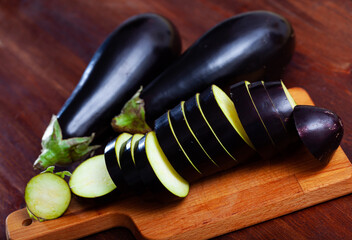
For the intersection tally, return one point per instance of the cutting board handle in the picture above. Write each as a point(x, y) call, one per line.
point(76, 223)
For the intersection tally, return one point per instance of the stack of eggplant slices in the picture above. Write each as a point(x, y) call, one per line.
point(166, 119)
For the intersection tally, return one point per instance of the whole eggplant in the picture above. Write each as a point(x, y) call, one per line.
point(131, 56)
point(251, 46)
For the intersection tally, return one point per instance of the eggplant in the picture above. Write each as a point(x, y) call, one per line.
point(189, 144)
point(270, 116)
point(201, 129)
point(221, 114)
point(131, 56)
point(47, 195)
point(156, 171)
point(173, 151)
point(251, 120)
point(319, 129)
point(250, 46)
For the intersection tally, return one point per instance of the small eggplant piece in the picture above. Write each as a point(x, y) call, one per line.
point(173, 151)
point(190, 145)
point(319, 129)
point(112, 160)
point(270, 115)
point(251, 120)
point(251, 46)
point(221, 114)
point(133, 55)
point(128, 166)
point(156, 171)
point(205, 135)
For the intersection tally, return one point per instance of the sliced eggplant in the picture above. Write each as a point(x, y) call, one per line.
point(189, 144)
point(282, 100)
point(173, 151)
point(156, 171)
point(47, 195)
point(205, 135)
point(91, 178)
point(251, 120)
point(112, 160)
point(128, 166)
point(222, 117)
point(319, 129)
point(270, 115)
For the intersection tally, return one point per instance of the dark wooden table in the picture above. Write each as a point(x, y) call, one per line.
point(46, 45)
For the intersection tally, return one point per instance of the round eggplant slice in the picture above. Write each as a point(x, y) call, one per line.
point(199, 158)
point(282, 101)
point(128, 167)
point(47, 196)
point(156, 171)
point(269, 115)
point(320, 130)
point(205, 135)
point(112, 162)
point(251, 120)
point(173, 151)
point(91, 178)
point(222, 117)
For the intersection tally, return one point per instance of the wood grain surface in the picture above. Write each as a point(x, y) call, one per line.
point(46, 45)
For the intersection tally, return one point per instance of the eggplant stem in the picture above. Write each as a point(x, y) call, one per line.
point(62, 152)
point(132, 116)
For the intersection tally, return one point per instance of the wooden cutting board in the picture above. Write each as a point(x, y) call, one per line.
point(226, 202)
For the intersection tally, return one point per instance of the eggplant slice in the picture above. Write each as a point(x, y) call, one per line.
point(320, 130)
point(91, 178)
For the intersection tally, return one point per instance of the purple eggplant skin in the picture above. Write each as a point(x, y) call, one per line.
point(319, 129)
point(134, 54)
point(270, 116)
point(251, 120)
point(251, 46)
point(131, 57)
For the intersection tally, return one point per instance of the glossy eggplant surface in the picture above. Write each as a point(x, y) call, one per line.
point(251, 46)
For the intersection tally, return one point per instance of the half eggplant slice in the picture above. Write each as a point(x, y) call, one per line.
point(270, 115)
point(320, 130)
point(251, 120)
point(173, 151)
point(189, 144)
point(222, 117)
point(156, 171)
point(91, 178)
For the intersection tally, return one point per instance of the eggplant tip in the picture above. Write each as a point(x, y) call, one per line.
point(319, 129)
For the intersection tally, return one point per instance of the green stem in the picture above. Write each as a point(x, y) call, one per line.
point(62, 152)
point(132, 116)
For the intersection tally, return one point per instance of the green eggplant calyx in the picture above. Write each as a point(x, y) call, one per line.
point(59, 151)
point(132, 116)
